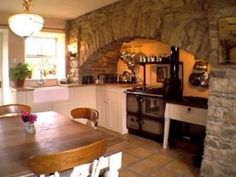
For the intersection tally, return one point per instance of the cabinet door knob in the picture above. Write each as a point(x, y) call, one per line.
point(189, 109)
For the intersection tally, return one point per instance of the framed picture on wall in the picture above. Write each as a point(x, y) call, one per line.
point(163, 72)
point(227, 40)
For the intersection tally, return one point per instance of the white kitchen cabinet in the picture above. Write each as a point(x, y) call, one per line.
point(21, 96)
point(111, 105)
point(41, 107)
point(27, 97)
point(110, 101)
point(101, 104)
point(84, 96)
point(63, 108)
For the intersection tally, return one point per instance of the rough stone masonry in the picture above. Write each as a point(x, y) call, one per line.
point(188, 24)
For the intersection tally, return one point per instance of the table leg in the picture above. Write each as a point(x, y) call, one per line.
point(166, 133)
point(114, 163)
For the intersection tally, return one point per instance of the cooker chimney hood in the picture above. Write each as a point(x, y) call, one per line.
point(172, 86)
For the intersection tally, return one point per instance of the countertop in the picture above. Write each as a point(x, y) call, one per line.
point(191, 101)
point(119, 85)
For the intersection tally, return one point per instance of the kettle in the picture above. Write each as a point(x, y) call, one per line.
point(125, 77)
point(199, 75)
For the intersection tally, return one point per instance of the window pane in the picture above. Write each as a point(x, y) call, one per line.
point(40, 47)
point(42, 68)
point(32, 46)
point(49, 47)
point(45, 53)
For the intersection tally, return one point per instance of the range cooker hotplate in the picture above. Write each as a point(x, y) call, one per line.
point(149, 91)
point(159, 92)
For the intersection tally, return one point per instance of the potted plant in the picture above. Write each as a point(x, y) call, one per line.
point(19, 73)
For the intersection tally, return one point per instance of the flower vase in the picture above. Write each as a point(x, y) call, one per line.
point(30, 128)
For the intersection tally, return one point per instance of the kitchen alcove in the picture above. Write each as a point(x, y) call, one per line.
point(149, 47)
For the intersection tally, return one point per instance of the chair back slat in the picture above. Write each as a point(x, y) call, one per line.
point(60, 161)
point(13, 109)
point(87, 113)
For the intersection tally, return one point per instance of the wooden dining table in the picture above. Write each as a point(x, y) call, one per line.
point(54, 133)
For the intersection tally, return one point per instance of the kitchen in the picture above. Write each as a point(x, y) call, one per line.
point(103, 39)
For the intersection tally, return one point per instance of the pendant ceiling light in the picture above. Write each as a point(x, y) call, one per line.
point(26, 24)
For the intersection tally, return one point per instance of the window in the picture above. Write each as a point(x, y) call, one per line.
point(45, 53)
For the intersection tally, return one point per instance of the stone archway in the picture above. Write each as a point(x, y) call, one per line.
point(104, 60)
point(186, 24)
point(102, 31)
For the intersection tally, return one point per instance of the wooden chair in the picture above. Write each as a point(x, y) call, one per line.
point(13, 109)
point(90, 114)
point(82, 161)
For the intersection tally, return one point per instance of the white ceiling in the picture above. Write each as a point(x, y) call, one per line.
point(61, 9)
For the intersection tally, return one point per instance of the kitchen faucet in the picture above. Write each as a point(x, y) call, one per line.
point(41, 81)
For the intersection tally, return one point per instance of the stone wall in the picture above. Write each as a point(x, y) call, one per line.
point(188, 24)
point(220, 142)
point(182, 23)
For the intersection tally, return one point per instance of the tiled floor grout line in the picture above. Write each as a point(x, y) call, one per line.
point(158, 150)
point(173, 159)
point(133, 172)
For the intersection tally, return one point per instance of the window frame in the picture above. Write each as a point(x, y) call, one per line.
point(59, 52)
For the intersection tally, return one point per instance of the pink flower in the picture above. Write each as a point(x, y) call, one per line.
point(29, 117)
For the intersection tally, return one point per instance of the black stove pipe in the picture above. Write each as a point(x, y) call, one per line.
point(174, 62)
point(172, 86)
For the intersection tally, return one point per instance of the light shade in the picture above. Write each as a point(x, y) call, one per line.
point(25, 24)
point(72, 48)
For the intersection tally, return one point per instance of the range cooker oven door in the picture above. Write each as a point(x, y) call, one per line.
point(133, 122)
point(133, 111)
point(145, 114)
point(133, 103)
point(153, 126)
point(153, 107)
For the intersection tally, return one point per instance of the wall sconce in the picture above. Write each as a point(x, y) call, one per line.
point(73, 50)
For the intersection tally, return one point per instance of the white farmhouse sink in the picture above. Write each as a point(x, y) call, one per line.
point(50, 94)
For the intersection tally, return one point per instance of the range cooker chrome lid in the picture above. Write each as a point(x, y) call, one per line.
point(157, 92)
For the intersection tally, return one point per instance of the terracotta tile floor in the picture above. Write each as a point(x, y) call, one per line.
point(146, 158)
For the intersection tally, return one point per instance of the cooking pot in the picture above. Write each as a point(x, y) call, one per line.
point(199, 67)
point(125, 77)
point(199, 79)
point(204, 79)
point(194, 79)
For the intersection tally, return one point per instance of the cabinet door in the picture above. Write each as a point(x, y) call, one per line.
point(23, 97)
point(63, 108)
point(101, 107)
point(41, 107)
point(111, 105)
point(113, 110)
point(85, 97)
